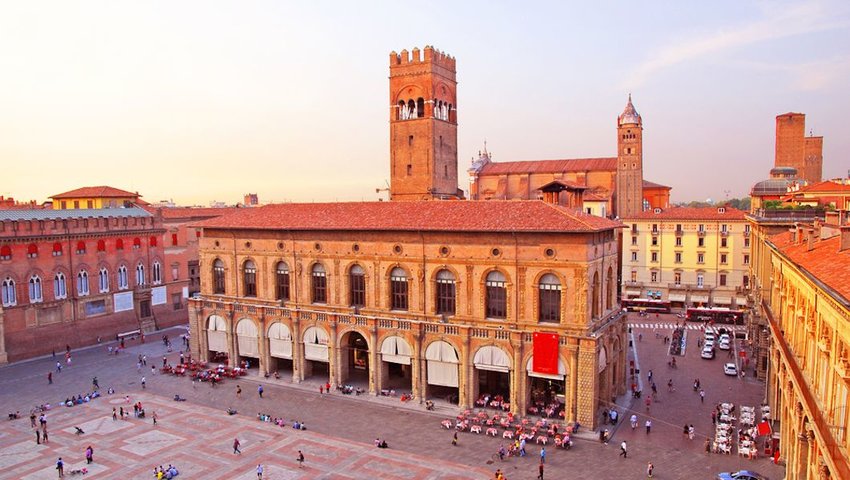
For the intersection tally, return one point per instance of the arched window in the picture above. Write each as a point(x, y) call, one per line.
point(398, 289)
point(411, 108)
point(402, 111)
point(282, 281)
point(10, 297)
point(218, 277)
point(612, 291)
point(357, 286)
point(123, 281)
point(137, 243)
point(5, 252)
point(35, 289)
point(32, 250)
point(119, 244)
point(449, 113)
point(103, 280)
point(156, 272)
point(140, 274)
point(83, 283)
point(152, 241)
point(319, 284)
point(81, 247)
point(57, 249)
point(60, 288)
point(249, 272)
point(446, 296)
point(420, 107)
point(497, 295)
point(549, 299)
point(101, 246)
point(594, 296)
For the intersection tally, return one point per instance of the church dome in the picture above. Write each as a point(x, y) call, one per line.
point(629, 115)
point(771, 187)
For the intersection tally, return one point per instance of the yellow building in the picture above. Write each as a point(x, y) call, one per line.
point(689, 256)
point(808, 316)
point(95, 198)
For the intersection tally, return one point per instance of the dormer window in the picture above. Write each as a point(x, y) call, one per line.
point(721, 210)
point(656, 211)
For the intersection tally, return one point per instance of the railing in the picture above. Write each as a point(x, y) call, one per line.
point(680, 232)
point(701, 233)
point(633, 284)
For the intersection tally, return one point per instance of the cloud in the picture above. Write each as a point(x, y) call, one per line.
point(778, 23)
point(808, 76)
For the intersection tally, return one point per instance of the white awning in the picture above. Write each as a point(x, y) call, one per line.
point(316, 345)
point(217, 340)
point(395, 349)
point(699, 298)
point(216, 322)
point(441, 351)
point(741, 301)
point(562, 370)
point(676, 297)
point(246, 338)
point(442, 364)
point(722, 300)
point(633, 292)
point(602, 360)
point(492, 358)
point(280, 341)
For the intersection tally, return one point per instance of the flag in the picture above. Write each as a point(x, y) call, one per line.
point(545, 358)
point(764, 428)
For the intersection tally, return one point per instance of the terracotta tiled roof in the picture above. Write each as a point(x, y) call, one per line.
point(827, 186)
point(550, 166)
point(96, 192)
point(689, 213)
point(594, 197)
point(648, 184)
point(192, 212)
point(464, 216)
point(564, 183)
point(823, 261)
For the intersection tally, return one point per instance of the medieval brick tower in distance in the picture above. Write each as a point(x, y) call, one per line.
point(629, 193)
point(423, 126)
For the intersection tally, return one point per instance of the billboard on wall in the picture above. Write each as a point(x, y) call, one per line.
point(158, 295)
point(122, 302)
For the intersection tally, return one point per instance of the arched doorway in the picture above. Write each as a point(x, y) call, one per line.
point(354, 359)
point(217, 339)
point(442, 372)
point(491, 378)
point(280, 348)
point(605, 395)
point(316, 356)
point(546, 391)
point(395, 369)
point(248, 351)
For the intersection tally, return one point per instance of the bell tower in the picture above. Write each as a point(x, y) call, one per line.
point(629, 192)
point(423, 126)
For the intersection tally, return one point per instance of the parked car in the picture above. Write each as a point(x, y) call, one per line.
point(741, 475)
point(730, 369)
point(707, 353)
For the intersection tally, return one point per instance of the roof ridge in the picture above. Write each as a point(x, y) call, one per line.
point(567, 212)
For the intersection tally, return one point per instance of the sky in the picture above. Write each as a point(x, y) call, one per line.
point(195, 101)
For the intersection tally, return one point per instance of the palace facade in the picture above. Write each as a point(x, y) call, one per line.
point(441, 299)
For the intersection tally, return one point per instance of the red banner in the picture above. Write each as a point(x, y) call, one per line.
point(764, 428)
point(545, 358)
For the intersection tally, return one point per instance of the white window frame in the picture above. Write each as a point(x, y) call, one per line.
point(10, 297)
point(36, 294)
point(60, 286)
point(83, 283)
point(156, 273)
point(140, 274)
point(103, 280)
point(123, 281)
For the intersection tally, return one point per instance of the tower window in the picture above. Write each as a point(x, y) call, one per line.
point(410, 140)
point(446, 171)
point(409, 169)
point(420, 107)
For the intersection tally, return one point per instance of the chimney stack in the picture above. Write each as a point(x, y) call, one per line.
point(810, 239)
point(845, 238)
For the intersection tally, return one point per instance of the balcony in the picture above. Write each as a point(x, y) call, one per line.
point(746, 234)
point(634, 284)
point(680, 232)
point(724, 233)
point(701, 233)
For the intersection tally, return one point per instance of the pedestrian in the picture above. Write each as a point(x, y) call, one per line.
point(640, 337)
point(522, 447)
point(50, 378)
point(114, 414)
point(121, 412)
point(236, 446)
point(60, 466)
point(605, 416)
point(690, 432)
point(540, 469)
point(707, 445)
point(685, 430)
point(605, 436)
point(300, 459)
point(649, 375)
point(154, 417)
point(648, 425)
point(37, 436)
point(701, 396)
point(58, 367)
point(670, 386)
point(542, 455)
point(259, 471)
point(153, 370)
point(328, 387)
point(714, 417)
point(634, 421)
point(649, 468)
point(44, 434)
point(454, 440)
point(321, 389)
point(143, 382)
point(623, 451)
point(648, 402)
point(239, 391)
point(164, 361)
point(138, 366)
point(32, 419)
point(260, 391)
point(89, 455)
point(145, 360)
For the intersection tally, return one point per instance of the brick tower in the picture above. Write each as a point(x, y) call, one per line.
point(629, 194)
point(423, 126)
point(794, 149)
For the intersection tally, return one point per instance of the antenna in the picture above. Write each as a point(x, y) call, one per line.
point(387, 189)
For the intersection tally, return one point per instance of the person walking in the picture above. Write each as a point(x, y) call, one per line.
point(648, 403)
point(60, 466)
point(634, 421)
point(623, 450)
point(239, 391)
point(300, 459)
point(649, 468)
point(522, 447)
point(236, 446)
point(259, 471)
point(540, 471)
point(701, 396)
point(542, 455)
point(89, 455)
point(648, 425)
point(690, 432)
point(454, 440)
point(154, 417)
point(44, 434)
point(37, 437)
point(143, 383)
point(50, 378)
point(58, 367)
point(260, 391)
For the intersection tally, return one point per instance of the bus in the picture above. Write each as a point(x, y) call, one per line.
point(715, 315)
point(646, 305)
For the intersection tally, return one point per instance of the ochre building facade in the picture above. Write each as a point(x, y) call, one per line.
point(439, 299)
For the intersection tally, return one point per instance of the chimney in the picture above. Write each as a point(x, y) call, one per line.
point(845, 238)
point(810, 239)
point(798, 235)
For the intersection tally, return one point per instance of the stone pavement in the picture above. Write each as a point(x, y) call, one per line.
point(341, 427)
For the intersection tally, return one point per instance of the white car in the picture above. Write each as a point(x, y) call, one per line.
point(730, 369)
point(709, 337)
point(708, 344)
point(707, 353)
point(724, 344)
point(726, 337)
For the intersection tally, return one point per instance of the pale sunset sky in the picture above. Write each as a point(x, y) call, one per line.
point(207, 100)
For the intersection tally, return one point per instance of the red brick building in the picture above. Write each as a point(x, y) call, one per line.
point(795, 149)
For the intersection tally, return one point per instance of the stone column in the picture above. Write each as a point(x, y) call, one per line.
point(232, 347)
point(263, 345)
point(333, 355)
point(4, 357)
point(417, 365)
point(297, 350)
point(374, 360)
point(518, 396)
point(572, 393)
point(589, 386)
point(465, 392)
